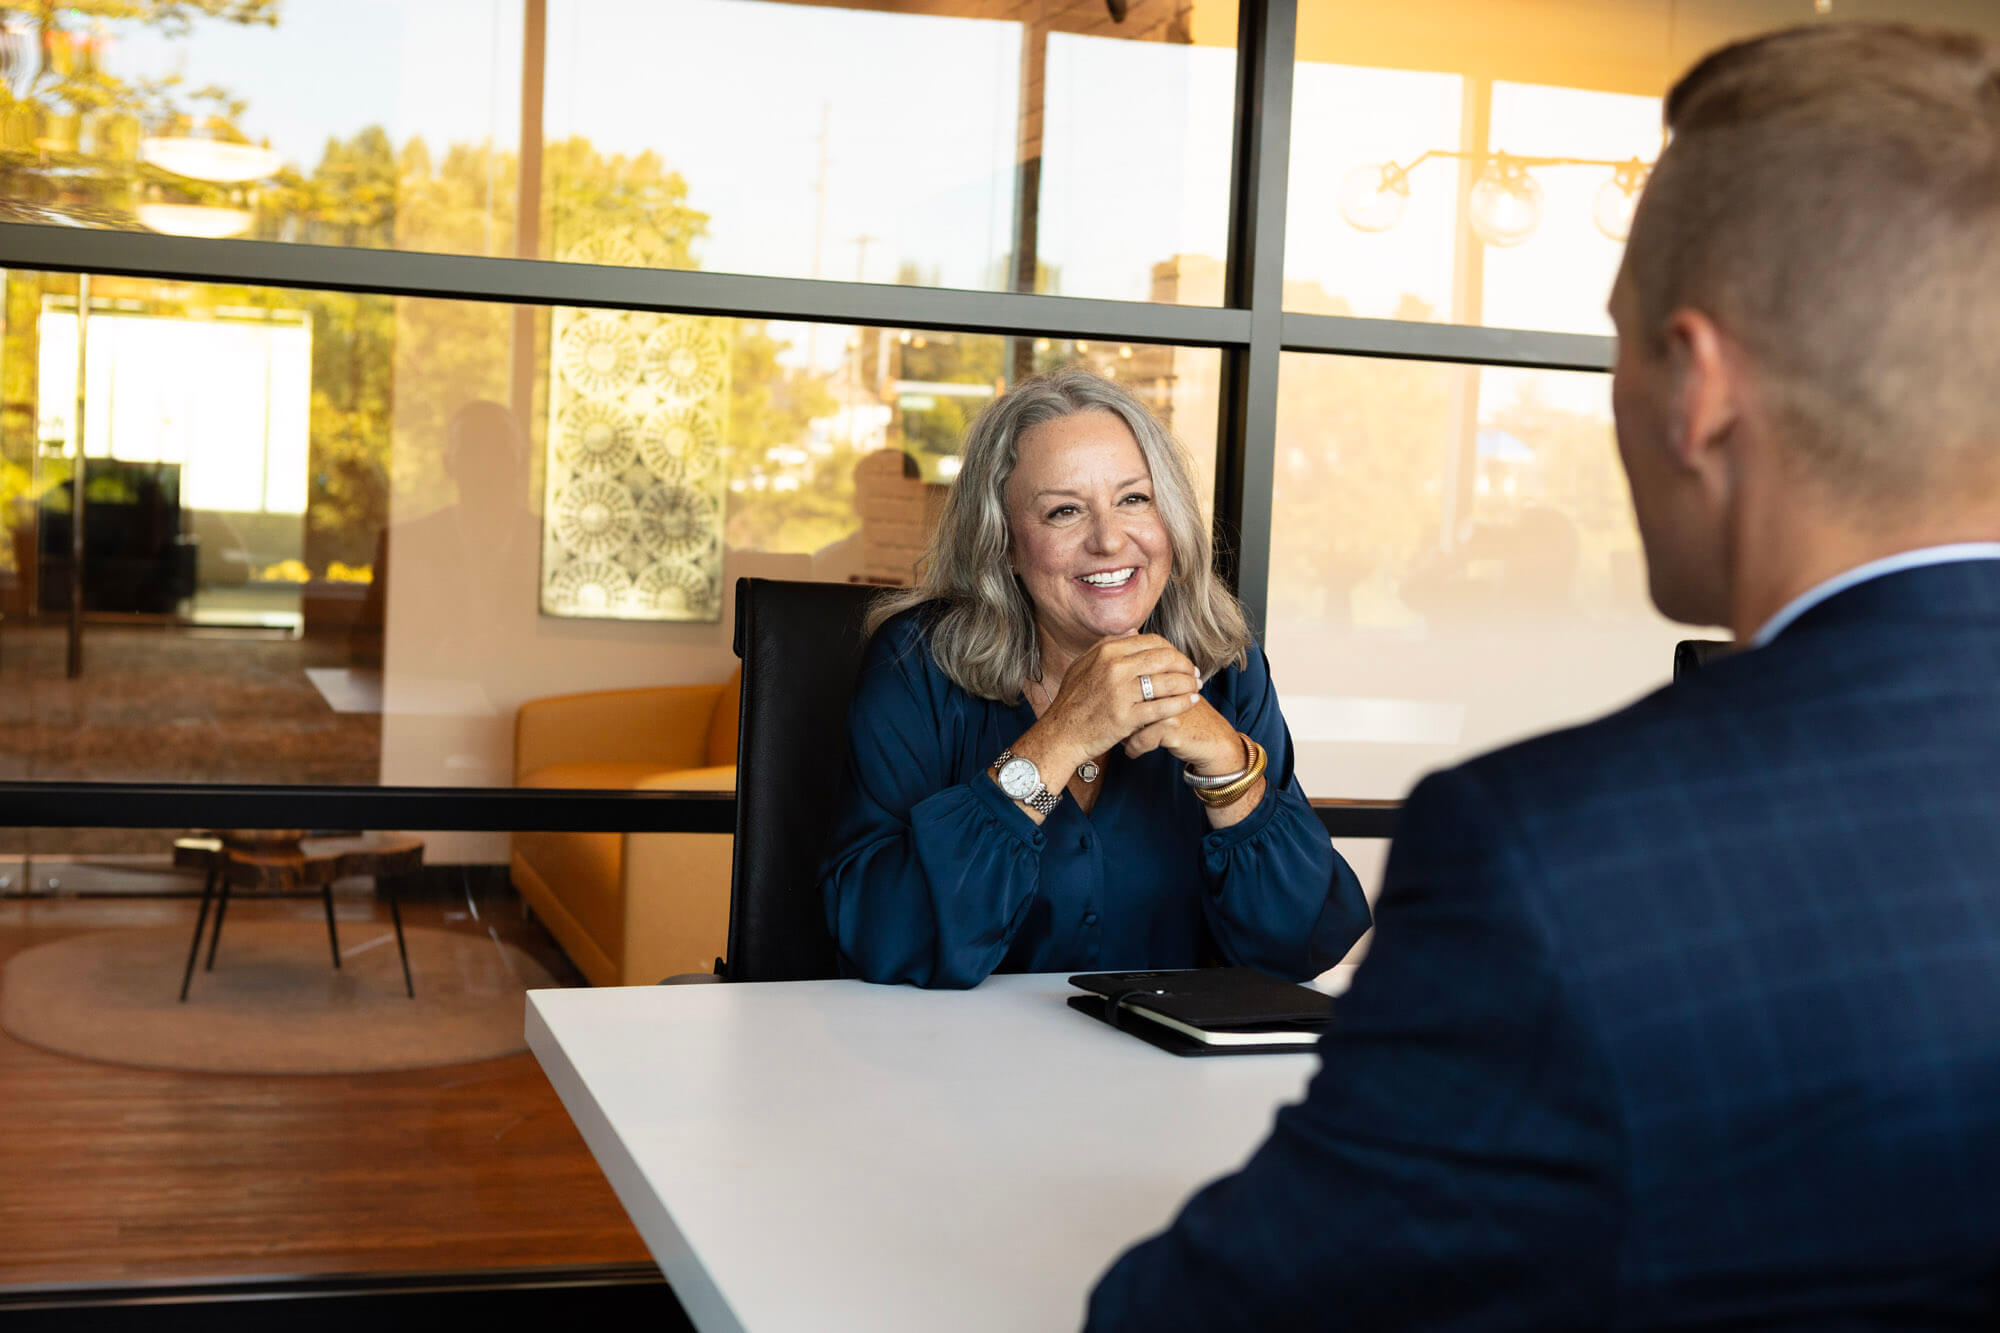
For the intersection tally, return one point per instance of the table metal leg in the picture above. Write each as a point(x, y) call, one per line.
point(200, 922)
point(221, 909)
point(332, 935)
point(396, 915)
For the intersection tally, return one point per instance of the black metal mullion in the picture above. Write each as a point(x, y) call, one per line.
point(1532, 349)
point(462, 809)
point(467, 809)
point(549, 282)
point(1246, 471)
point(1252, 331)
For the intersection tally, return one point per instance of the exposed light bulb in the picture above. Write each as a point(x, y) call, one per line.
point(1506, 204)
point(1618, 198)
point(1372, 196)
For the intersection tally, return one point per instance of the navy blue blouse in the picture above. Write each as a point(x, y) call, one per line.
point(933, 876)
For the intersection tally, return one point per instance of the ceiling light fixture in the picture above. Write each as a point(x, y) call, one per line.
point(1506, 200)
point(208, 221)
point(210, 159)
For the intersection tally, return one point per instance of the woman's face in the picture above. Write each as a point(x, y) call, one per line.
point(1088, 541)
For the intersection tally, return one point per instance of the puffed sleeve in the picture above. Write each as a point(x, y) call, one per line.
point(927, 877)
point(1279, 897)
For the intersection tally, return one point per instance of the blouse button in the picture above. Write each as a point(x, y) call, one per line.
point(1090, 918)
point(1084, 842)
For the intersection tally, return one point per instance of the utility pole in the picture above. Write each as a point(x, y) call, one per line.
point(861, 244)
point(819, 219)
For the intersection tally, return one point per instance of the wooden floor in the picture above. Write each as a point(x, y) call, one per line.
point(115, 1174)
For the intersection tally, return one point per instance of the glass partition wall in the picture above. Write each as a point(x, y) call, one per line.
point(380, 375)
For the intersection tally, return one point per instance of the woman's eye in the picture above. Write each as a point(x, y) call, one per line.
point(1135, 498)
point(1062, 511)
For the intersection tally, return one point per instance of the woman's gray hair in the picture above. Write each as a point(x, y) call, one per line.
point(983, 631)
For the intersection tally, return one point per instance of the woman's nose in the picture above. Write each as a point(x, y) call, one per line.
point(1105, 534)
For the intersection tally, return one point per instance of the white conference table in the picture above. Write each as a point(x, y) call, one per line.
point(827, 1155)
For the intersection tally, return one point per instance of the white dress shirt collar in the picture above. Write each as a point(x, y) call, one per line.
point(1874, 569)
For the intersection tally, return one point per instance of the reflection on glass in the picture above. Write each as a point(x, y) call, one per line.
point(731, 135)
point(465, 1142)
point(1454, 565)
point(211, 120)
point(1466, 160)
point(972, 154)
point(323, 532)
point(1559, 271)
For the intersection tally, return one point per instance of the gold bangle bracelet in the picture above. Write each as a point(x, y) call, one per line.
point(1230, 795)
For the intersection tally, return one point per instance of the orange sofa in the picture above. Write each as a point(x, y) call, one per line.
point(630, 908)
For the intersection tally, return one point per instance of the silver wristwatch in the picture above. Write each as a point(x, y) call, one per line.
point(1022, 782)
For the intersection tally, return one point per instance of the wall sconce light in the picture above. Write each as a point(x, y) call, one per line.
point(1506, 202)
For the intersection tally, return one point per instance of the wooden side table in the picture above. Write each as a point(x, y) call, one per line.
point(293, 868)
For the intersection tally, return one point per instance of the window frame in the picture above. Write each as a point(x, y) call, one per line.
point(1252, 331)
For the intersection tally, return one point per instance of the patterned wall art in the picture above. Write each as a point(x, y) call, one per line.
point(636, 473)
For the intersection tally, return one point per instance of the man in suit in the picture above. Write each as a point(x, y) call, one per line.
point(1691, 1016)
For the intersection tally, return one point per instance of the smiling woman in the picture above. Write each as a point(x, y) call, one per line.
point(1069, 637)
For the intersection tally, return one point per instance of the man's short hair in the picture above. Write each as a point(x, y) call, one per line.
point(1831, 198)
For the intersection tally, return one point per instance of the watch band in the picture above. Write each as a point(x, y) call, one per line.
point(1041, 798)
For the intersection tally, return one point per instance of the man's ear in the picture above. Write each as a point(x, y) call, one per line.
point(1705, 396)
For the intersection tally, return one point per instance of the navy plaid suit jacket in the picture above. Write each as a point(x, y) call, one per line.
point(1689, 1017)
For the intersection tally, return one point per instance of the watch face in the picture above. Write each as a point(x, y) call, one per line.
point(1019, 778)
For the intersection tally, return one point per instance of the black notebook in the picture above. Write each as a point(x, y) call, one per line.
point(1207, 1010)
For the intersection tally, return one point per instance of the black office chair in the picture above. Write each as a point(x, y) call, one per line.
point(1690, 655)
point(801, 645)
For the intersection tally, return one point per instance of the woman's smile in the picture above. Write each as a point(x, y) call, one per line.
point(1107, 582)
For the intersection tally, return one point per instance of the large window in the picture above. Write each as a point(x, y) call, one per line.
point(955, 143)
point(350, 492)
point(373, 372)
point(1455, 565)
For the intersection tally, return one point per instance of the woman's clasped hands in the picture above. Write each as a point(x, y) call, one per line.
point(1104, 701)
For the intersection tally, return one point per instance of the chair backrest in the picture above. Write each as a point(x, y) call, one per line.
point(801, 645)
point(1690, 655)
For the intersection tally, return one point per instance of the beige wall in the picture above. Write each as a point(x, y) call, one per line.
point(464, 640)
point(451, 682)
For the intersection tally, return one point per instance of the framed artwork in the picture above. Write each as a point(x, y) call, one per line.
point(633, 506)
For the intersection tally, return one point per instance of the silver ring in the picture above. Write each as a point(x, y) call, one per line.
point(1146, 688)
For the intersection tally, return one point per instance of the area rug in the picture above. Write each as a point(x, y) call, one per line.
point(274, 1003)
